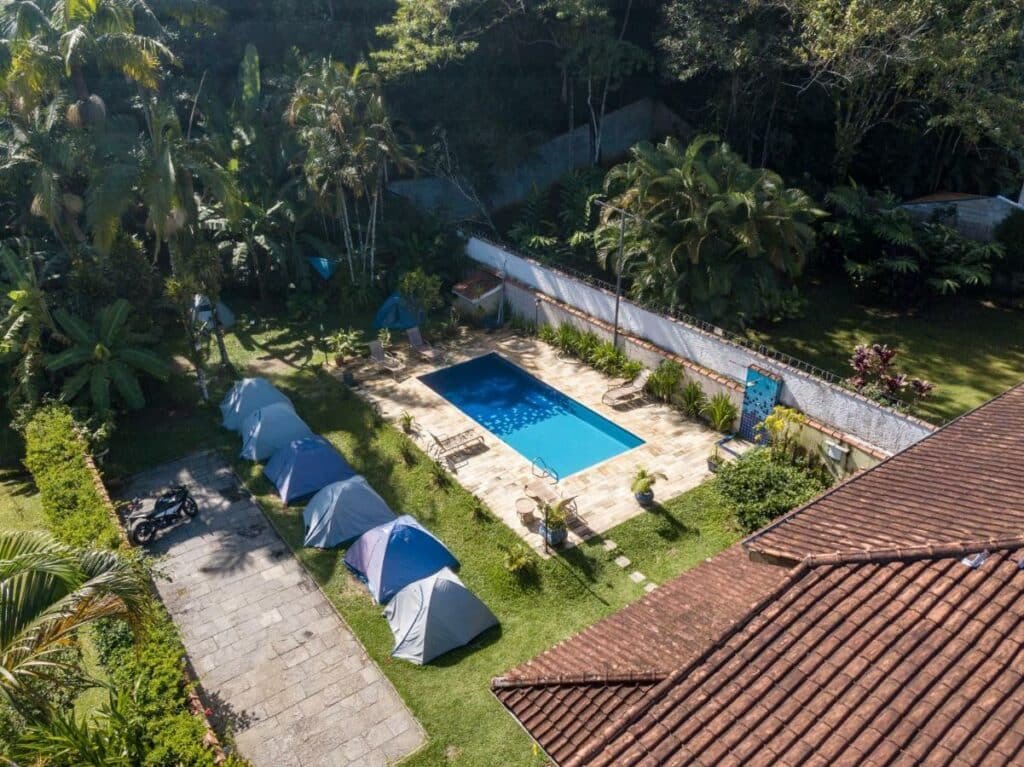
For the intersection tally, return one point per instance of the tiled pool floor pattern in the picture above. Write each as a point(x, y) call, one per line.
point(674, 444)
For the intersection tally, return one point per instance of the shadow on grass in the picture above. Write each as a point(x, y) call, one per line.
point(668, 528)
point(482, 642)
point(581, 567)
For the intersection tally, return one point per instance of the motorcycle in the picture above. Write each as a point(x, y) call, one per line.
point(177, 503)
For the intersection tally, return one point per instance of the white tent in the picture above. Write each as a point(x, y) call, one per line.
point(270, 428)
point(343, 511)
point(248, 395)
point(202, 314)
point(433, 615)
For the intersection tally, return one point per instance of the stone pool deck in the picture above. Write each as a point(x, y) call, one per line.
point(277, 664)
point(673, 444)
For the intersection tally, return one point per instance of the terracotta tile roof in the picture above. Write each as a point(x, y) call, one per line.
point(961, 484)
point(564, 696)
point(945, 197)
point(900, 662)
point(881, 647)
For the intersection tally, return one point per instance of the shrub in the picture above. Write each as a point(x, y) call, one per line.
point(762, 488)
point(720, 412)
point(56, 455)
point(692, 398)
point(548, 334)
point(423, 291)
point(606, 358)
point(152, 669)
point(630, 368)
point(665, 380)
point(519, 559)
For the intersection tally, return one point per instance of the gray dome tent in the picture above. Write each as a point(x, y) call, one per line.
point(248, 395)
point(342, 511)
point(270, 428)
point(433, 615)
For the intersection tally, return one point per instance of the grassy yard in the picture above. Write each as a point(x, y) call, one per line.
point(465, 724)
point(971, 349)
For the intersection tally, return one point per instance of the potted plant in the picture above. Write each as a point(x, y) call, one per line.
point(343, 344)
point(643, 485)
point(715, 461)
point(554, 524)
point(407, 422)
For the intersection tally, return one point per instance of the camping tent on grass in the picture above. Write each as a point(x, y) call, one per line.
point(248, 395)
point(433, 615)
point(202, 314)
point(397, 313)
point(267, 430)
point(342, 511)
point(391, 556)
point(303, 466)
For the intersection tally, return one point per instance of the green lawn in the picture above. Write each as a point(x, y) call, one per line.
point(971, 349)
point(450, 697)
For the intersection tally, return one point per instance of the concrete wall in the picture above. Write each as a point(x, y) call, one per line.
point(846, 411)
point(642, 120)
point(975, 217)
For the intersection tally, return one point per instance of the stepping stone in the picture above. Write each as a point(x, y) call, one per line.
point(650, 587)
point(610, 545)
point(637, 577)
point(622, 562)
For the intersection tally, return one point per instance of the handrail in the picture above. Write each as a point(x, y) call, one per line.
point(544, 471)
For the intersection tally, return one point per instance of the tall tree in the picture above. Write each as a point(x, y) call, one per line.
point(709, 234)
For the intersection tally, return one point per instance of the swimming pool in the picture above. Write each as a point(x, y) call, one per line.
point(532, 418)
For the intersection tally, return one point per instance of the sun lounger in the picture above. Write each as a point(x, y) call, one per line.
point(622, 394)
point(445, 447)
point(422, 348)
point(384, 361)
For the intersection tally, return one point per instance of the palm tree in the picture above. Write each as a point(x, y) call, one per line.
point(712, 234)
point(48, 593)
point(350, 144)
point(102, 354)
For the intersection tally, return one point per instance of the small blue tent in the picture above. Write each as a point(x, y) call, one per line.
point(303, 466)
point(248, 395)
point(397, 313)
point(342, 511)
point(270, 428)
point(390, 557)
point(325, 267)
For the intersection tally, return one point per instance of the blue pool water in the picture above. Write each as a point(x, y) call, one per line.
point(534, 419)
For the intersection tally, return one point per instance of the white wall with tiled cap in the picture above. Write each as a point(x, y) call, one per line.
point(847, 411)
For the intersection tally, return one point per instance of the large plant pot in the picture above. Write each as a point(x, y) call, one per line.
point(555, 537)
point(645, 499)
point(714, 465)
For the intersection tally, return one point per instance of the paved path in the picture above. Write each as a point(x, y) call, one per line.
point(275, 661)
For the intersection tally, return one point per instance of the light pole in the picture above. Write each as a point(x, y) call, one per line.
point(623, 214)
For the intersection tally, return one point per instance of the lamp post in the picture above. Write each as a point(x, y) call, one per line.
point(623, 214)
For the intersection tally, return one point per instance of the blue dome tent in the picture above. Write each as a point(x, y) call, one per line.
point(397, 313)
point(270, 428)
point(303, 466)
point(434, 615)
point(391, 556)
point(342, 511)
point(248, 395)
point(325, 267)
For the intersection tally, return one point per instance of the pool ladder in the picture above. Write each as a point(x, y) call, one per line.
point(540, 468)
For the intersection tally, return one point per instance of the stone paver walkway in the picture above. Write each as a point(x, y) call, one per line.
point(275, 661)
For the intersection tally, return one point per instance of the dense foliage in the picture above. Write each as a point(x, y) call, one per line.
point(56, 453)
point(588, 347)
point(763, 486)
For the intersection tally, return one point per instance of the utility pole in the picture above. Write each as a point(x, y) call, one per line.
point(620, 259)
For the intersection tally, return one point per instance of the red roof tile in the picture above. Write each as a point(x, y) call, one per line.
point(961, 484)
point(901, 662)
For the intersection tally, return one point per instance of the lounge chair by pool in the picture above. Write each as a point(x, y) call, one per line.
point(384, 361)
point(622, 394)
point(422, 348)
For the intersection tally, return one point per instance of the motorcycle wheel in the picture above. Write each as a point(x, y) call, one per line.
point(190, 507)
point(142, 533)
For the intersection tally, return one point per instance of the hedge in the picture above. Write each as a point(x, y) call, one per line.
point(56, 454)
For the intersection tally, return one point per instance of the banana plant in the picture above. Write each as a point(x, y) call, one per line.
point(102, 354)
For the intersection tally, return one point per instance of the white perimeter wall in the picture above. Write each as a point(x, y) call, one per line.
point(824, 402)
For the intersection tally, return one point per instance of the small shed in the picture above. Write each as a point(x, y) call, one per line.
point(479, 294)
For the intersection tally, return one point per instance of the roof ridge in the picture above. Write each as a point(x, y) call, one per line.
point(911, 553)
point(555, 680)
point(637, 710)
point(750, 542)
